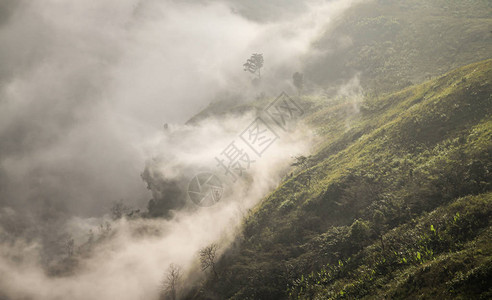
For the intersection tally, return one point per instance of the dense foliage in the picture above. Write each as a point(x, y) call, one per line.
point(394, 43)
point(395, 202)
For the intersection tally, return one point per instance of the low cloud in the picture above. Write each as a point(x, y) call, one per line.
point(85, 89)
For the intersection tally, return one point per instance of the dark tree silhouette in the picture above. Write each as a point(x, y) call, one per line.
point(300, 161)
point(208, 256)
point(254, 64)
point(171, 281)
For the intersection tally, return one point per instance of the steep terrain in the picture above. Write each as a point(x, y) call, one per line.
point(392, 44)
point(381, 46)
point(394, 202)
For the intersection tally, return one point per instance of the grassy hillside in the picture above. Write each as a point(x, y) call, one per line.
point(395, 202)
point(394, 43)
point(389, 45)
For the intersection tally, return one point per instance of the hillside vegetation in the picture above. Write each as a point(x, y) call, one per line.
point(396, 43)
point(395, 202)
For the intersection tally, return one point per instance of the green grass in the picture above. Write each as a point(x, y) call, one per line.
point(410, 172)
point(444, 254)
point(393, 44)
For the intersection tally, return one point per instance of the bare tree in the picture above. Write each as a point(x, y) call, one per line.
point(300, 161)
point(171, 281)
point(208, 256)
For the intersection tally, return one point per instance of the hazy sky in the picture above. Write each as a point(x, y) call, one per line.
point(84, 85)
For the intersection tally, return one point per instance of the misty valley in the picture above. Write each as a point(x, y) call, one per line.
point(262, 150)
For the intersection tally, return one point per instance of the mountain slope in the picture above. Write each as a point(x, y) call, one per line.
point(393, 44)
point(377, 201)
